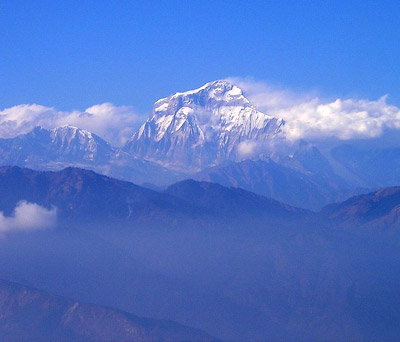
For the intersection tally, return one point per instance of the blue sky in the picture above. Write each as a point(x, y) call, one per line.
point(74, 54)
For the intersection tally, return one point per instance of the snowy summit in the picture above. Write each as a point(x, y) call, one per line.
point(202, 127)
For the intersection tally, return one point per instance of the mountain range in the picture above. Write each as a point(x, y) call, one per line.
point(284, 183)
point(227, 261)
point(55, 149)
point(84, 196)
point(211, 133)
point(208, 217)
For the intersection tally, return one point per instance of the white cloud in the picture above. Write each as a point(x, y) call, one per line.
point(28, 217)
point(311, 118)
point(115, 124)
point(342, 119)
point(246, 148)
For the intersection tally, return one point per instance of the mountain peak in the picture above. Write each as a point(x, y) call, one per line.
point(216, 89)
point(210, 94)
point(201, 127)
point(72, 131)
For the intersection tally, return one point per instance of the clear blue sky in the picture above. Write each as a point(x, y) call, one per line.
point(73, 54)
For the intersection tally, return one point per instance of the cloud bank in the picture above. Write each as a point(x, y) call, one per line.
point(311, 118)
point(115, 124)
point(28, 217)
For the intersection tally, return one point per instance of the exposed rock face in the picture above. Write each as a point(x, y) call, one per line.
point(202, 127)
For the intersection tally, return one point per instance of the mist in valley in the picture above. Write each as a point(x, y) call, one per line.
point(235, 281)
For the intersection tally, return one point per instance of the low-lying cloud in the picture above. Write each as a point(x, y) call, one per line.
point(311, 118)
point(28, 217)
point(115, 124)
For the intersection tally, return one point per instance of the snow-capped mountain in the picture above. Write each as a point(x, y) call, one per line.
point(202, 127)
point(206, 128)
point(54, 149)
point(63, 144)
point(80, 144)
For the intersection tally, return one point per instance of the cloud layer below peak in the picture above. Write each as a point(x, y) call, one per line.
point(309, 117)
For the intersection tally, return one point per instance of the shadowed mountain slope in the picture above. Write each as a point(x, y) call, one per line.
point(31, 315)
point(267, 178)
point(377, 209)
point(231, 201)
point(378, 167)
point(86, 197)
